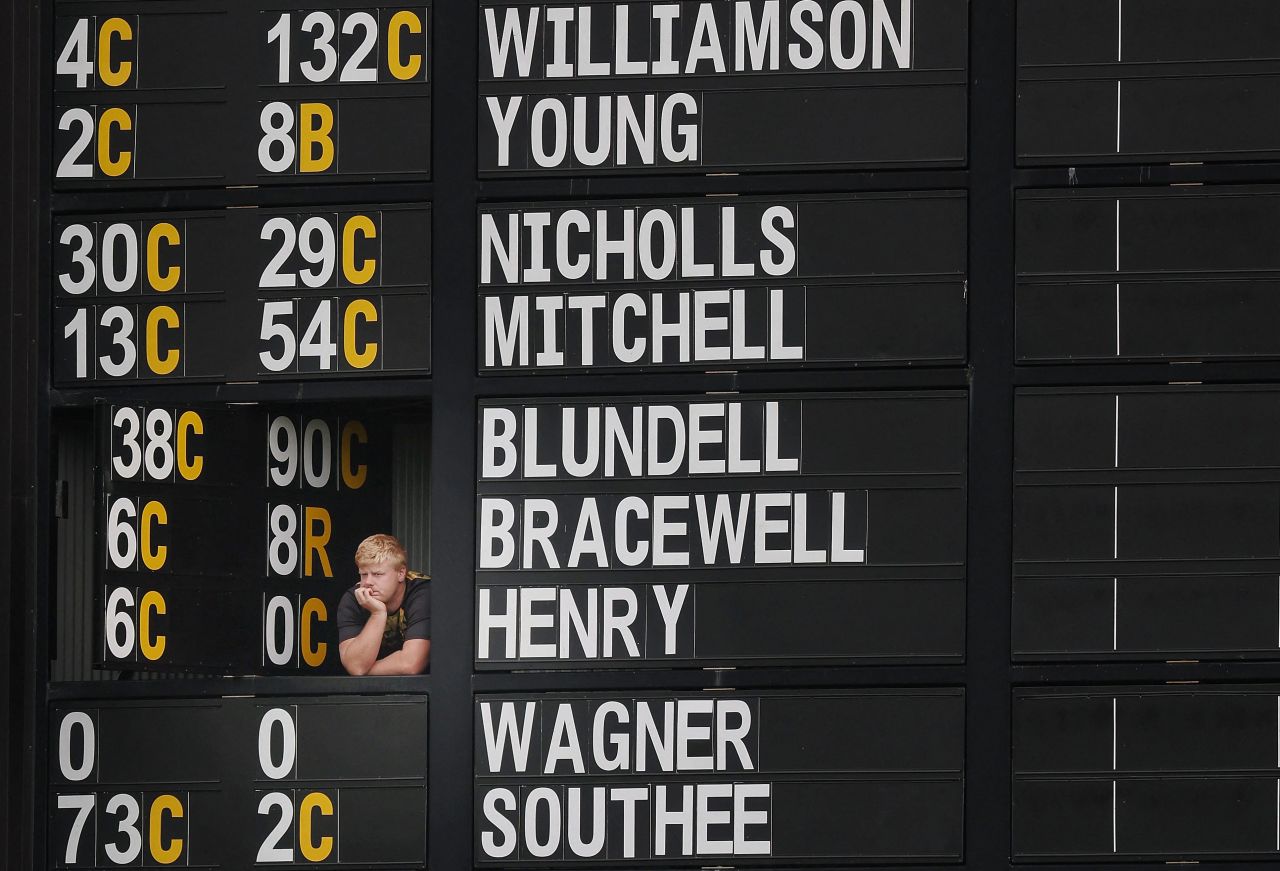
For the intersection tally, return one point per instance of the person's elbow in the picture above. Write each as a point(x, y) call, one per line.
point(416, 655)
point(353, 664)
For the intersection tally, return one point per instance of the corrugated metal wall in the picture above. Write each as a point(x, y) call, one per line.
point(410, 492)
point(73, 606)
point(73, 603)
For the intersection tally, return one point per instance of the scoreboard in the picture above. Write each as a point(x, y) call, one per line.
point(711, 86)
point(1181, 273)
point(662, 530)
point(842, 433)
point(751, 283)
point(226, 534)
point(279, 772)
point(1145, 523)
point(242, 295)
point(1140, 81)
point(726, 778)
point(1145, 773)
point(158, 94)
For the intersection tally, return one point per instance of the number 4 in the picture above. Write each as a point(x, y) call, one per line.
point(74, 59)
point(318, 340)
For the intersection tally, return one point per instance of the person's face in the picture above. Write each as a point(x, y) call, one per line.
point(382, 580)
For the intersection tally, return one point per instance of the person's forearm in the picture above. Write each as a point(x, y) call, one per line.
point(360, 655)
point(399, 662)
point(410, 659)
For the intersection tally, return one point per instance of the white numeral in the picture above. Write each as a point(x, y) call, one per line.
point(122, 539)
point(127, 418)
point(288, 743)
point(119, 627)
point(271, 851)
point(83, 805)
point(128, 826)
point(272, 330)
point(78, 233)
point(81, 722)
point(74, 58)
point(277, 123)
point(122, 338)
point(70, 165)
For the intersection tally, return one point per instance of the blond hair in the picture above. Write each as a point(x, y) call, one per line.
point(382, 548)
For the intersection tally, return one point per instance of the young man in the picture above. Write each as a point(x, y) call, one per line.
point(384, 621)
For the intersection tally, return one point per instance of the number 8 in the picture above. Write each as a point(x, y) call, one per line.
point(276, 132)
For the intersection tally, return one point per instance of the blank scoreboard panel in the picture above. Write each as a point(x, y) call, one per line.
point(1145, 773)
point(723, 779)
point(710, 284)
point(1186, 273)
point(1147, 523)
point(706, 86)
point(660, 531)
point(225, 535)
point(1136, 81)
point(217, 93)
point(242, 295)
point(238, 782)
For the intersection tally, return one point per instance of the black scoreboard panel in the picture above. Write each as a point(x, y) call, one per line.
point(713, 85)
point(723, 778)
point(1147, 523)
point(238, 782)
point(1134, 81)
point(211, 92)
point(1186, 273)
point(225, 534)
point(1146, 773)
point(659, 531)
point(242, 295)
point(739, 283)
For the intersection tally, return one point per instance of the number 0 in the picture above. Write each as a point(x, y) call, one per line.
point(289, 743)
point(76, 721)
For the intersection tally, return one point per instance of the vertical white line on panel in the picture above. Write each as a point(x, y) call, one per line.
point(1117, 319)
point(1115, 522)
point(1117, 116)
point(1117, 235)
point(1119, 30)
point(1115, 441)
point(913, 35)
point(1115, 705)
point(1119, 58)
point(1117, 262)
point(1115, 614)
point(1114, 710)
point(1113, 817)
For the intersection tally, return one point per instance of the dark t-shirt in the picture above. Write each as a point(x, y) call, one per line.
point(411, 620)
